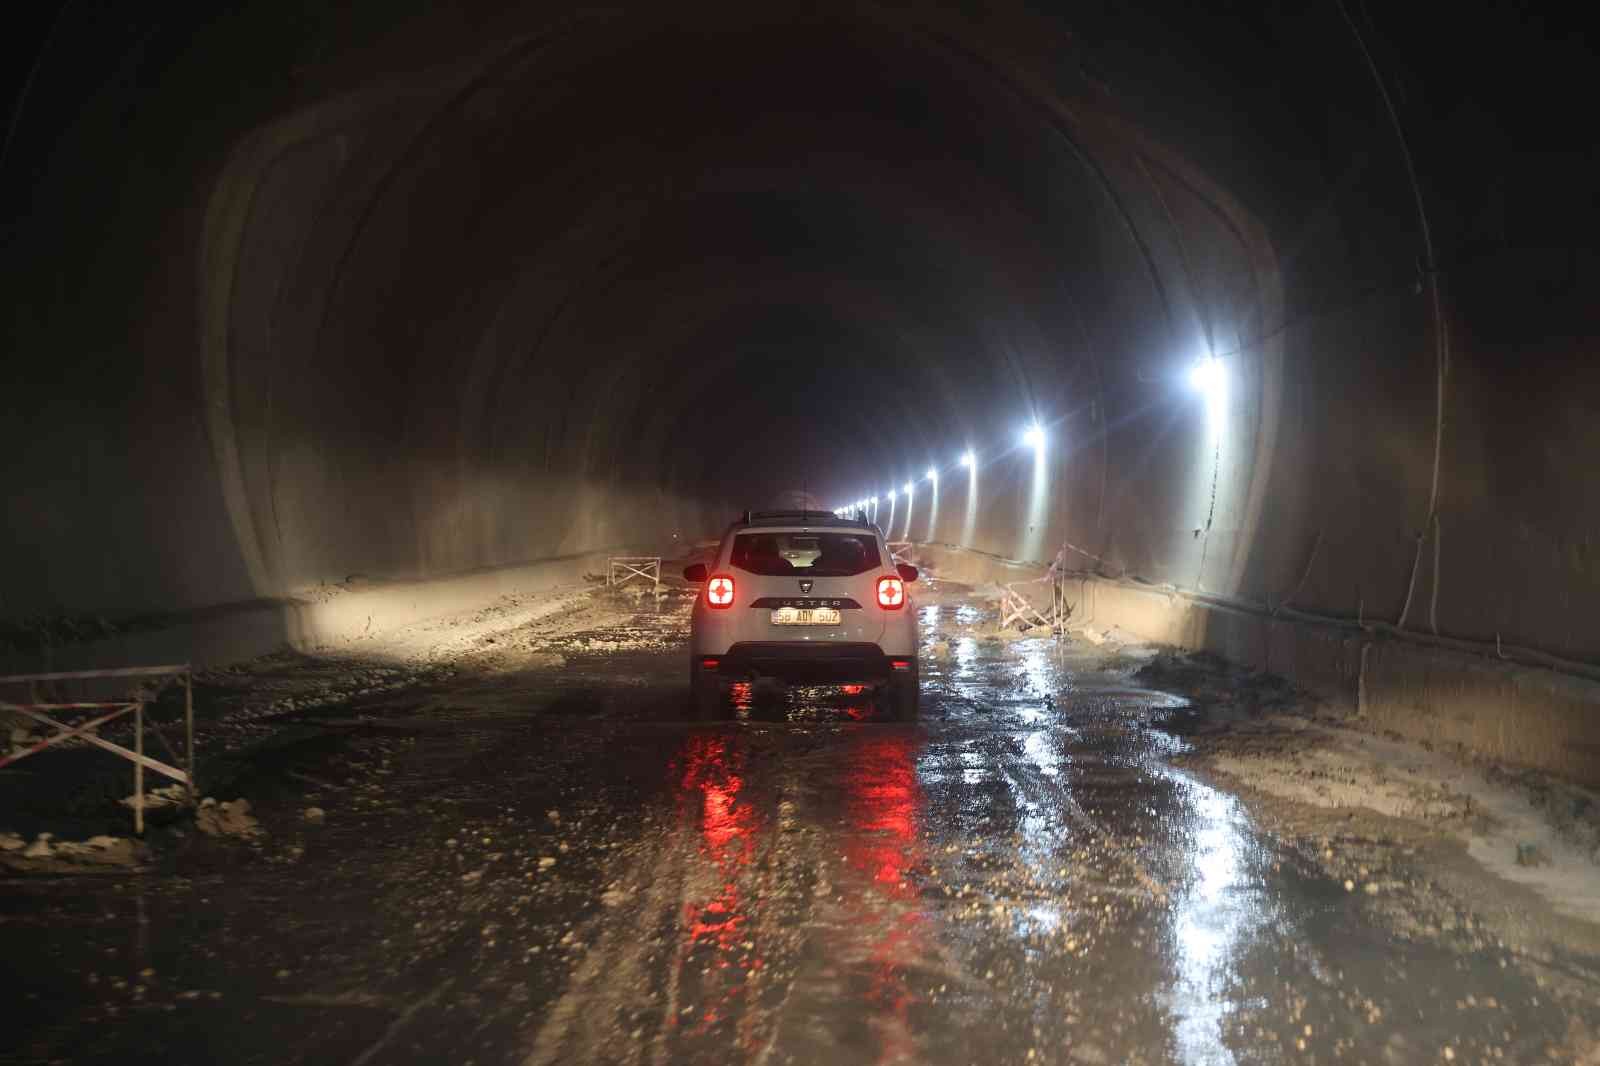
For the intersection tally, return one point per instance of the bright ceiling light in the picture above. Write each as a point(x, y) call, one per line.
point(1206, 375)
point(891, 495)
point(933, 474)
point(1033, 436)
point(909, 488)
point(968, 460)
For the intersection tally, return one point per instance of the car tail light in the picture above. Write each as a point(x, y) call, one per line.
point(719, 591)
point(891, 593)
point(900, 664)
point(709, 663)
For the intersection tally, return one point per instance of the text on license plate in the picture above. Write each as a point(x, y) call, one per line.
point(805, 616)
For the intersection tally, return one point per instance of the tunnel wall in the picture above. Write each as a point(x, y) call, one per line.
point(1316, 485)
point(1397, 306)
point(218, 393)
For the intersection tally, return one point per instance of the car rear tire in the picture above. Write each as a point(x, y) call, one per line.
point(708, 700)
point(905, 695)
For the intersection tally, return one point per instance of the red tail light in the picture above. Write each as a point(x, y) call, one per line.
point(891, 593)
point(719, 591)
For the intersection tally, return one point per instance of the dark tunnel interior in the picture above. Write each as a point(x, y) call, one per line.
point(297, 292)
point(1215, 678)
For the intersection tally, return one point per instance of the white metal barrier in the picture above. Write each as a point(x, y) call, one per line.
point(620, 569)
point(1015, 606)
point(113, 709)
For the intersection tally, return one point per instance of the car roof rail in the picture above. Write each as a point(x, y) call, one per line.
point(817, 518)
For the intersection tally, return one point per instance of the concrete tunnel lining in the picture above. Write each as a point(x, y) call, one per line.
point(296, 395)
point(389, 176)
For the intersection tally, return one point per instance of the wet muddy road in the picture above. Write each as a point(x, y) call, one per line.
point(552, 865)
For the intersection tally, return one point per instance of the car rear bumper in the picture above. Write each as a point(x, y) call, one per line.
point(819, 663)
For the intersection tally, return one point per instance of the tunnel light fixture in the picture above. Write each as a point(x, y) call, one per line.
point(1206, 376)
point(933, 473)
point(1209, 378)
point(909, 488)
point(891, 495)
point(969, 460)
point(1033, 437)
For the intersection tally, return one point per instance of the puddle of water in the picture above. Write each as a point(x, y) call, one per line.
point(1220, 907)
point(866, 954)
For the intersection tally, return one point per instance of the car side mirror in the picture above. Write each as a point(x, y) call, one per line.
point(908, 573)
point(696, 574)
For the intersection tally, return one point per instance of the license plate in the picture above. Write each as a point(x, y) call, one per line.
point(805, 616)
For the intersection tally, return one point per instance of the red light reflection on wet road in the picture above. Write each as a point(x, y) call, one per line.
point(879, 934)
point(884, 801)
point(711, 770)
point(885, 805)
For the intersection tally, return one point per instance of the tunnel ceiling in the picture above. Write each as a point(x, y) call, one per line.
point(858, 217)
point(303, 292)
point(764, 233)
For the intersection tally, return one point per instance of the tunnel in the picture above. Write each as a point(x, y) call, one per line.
point(1246, 342)
point(297, 295)
point(300, 296)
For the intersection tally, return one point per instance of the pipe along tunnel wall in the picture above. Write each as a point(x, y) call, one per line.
point(299, 294)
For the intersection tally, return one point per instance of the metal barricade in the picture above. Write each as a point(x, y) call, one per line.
point(621, 569)
point(1017, 607)
point(110, 711)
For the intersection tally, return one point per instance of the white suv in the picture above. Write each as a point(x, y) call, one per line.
point(803, 596)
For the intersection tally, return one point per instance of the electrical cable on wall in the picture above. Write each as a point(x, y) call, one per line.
point(1441, 338)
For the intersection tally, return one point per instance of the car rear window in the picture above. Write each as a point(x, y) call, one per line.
point(816, 554)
